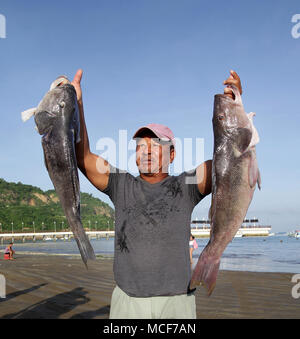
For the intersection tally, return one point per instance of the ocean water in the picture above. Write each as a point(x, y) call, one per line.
point(257, 254)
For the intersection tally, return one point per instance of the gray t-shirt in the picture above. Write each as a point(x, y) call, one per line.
point(152, 231)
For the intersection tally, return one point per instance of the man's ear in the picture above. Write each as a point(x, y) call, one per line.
point(172, 154)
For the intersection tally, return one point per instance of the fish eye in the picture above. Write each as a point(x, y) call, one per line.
point(221, 117)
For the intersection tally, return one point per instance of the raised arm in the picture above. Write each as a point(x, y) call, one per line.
point(204, 171)
point(95, 168)
point(204, 174)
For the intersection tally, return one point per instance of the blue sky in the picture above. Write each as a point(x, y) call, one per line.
point(157, 61)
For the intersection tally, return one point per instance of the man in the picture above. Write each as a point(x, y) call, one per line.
point(152, 220)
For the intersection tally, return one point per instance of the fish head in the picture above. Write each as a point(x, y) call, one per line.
point(230, 121)
point(58, 109)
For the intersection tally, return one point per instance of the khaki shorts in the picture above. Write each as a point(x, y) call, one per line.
point(173, 307)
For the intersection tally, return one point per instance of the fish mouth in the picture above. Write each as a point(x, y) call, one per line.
point(225, 97)
point(236, 95)
point(61, 80)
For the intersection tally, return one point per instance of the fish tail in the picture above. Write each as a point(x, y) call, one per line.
point(205, 272)
point(85, 248)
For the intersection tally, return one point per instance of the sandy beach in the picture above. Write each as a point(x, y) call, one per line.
point(60, 287)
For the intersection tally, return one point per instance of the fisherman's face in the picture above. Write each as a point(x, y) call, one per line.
point(152, 156)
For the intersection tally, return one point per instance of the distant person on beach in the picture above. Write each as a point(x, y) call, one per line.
point(192, 246)
point(152, 219)
point(9, 252)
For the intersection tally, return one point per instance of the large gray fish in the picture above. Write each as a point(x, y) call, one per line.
point(234, 177)
point(57, 120)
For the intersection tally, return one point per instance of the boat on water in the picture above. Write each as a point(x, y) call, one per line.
point(295, 234)
point(249, 228)
point(238, 234)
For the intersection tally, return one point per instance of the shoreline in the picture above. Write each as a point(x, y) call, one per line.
point(111, 256)
point(60, 287)
point(71, 255)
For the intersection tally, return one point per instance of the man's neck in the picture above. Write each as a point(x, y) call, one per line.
point(153, 178)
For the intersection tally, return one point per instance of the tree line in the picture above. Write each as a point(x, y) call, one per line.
point(27, 208)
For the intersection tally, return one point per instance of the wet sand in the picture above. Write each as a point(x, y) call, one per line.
point(60, 287)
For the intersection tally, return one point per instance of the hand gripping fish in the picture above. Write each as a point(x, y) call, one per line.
point(57, 120)
point(234, 176)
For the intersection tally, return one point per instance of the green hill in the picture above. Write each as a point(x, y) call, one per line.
point(29, 208)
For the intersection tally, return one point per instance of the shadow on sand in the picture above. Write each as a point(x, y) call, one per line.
point(17, 293)
point(54, 307)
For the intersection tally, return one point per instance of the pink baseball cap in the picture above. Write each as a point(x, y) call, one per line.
point(161, 131)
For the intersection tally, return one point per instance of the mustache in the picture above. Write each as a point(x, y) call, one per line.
point(147, 159)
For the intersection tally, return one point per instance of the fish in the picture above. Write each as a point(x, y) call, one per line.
point(57, 120)
point(235, 174)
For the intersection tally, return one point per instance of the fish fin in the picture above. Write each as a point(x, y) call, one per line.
point(45, 151)
point(205, 272)
point(26, 115)
point(253, 172)
point(255, 137)
point(209, 212)
point(259, 180)
point(46, 164)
